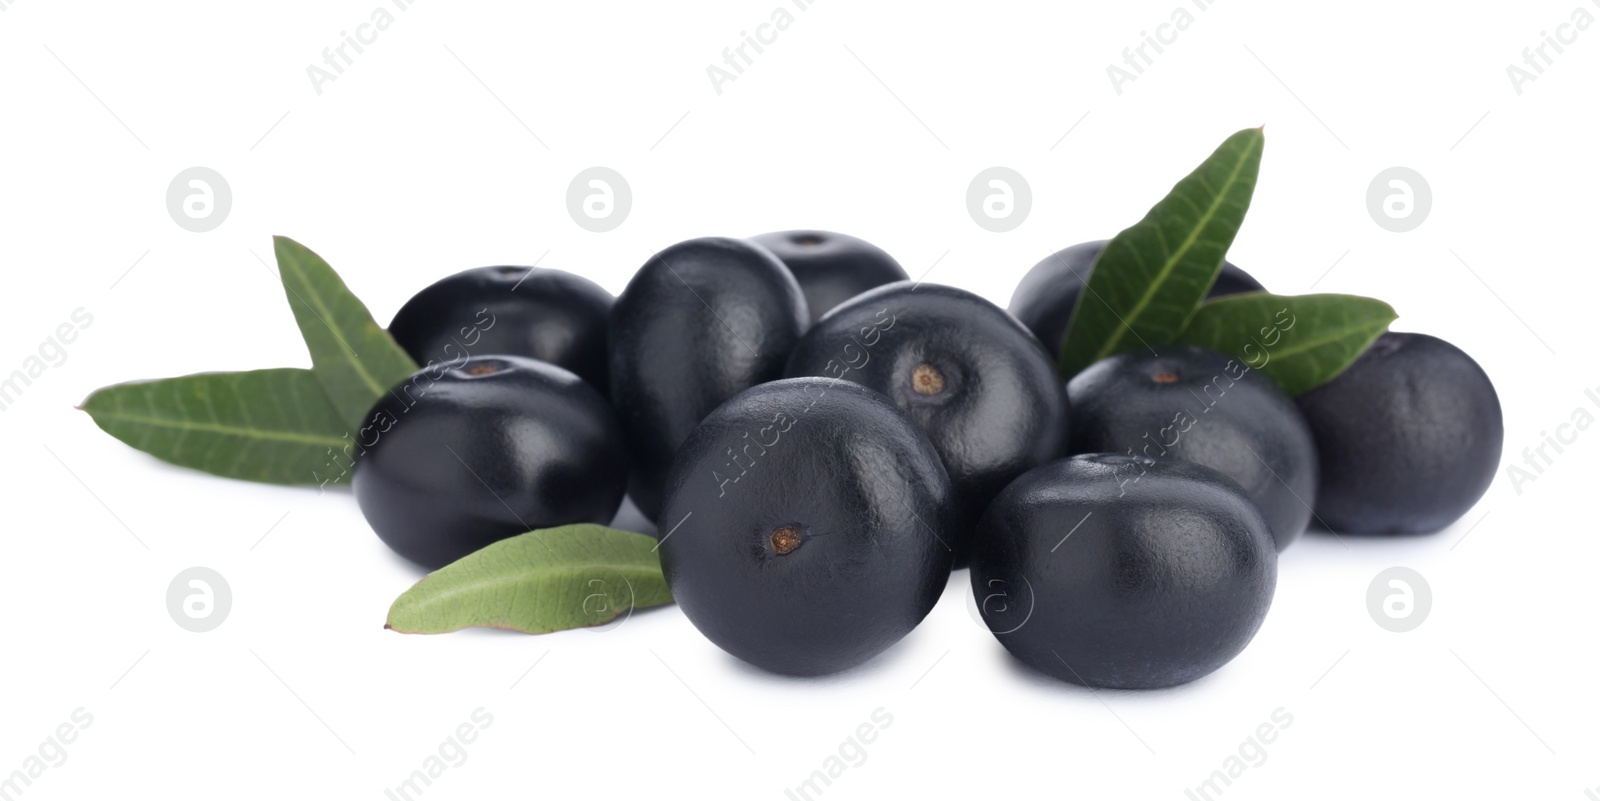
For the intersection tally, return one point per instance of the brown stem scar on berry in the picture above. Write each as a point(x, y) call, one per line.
point(927, 380)
point(1165, 377)
point(785, 540)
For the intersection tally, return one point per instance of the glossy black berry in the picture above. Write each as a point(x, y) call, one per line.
point(543, 314)
point(1045, 297)
point(831, 267)
point(1190, 403)
point(462, 455)
point(804, 526)
point(699, 323)
point(1123, 572)
point(1409, 437)
point(968, 373)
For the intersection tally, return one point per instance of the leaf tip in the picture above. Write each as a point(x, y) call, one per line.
point(282, 244)
point(83, 405)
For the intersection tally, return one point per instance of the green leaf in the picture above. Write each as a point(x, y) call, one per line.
point(1152, 277)
point(542, 581)
point(1301, 342)
point(273, 426)
point(354, 358)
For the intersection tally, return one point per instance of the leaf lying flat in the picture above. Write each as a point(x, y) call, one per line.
point(273, 426)
point(549, 580)
point(354, 358)
point(1301, 341)
point(1150, 279)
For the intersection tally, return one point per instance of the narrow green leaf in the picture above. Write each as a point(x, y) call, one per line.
point(549, 580)
point(354, 358)
point(1301, 342)
point(273, 426)
point(1152, 277)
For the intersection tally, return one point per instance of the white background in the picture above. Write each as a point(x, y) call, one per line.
point(450, 143)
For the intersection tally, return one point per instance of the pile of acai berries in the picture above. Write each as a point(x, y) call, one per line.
point(820, 441)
